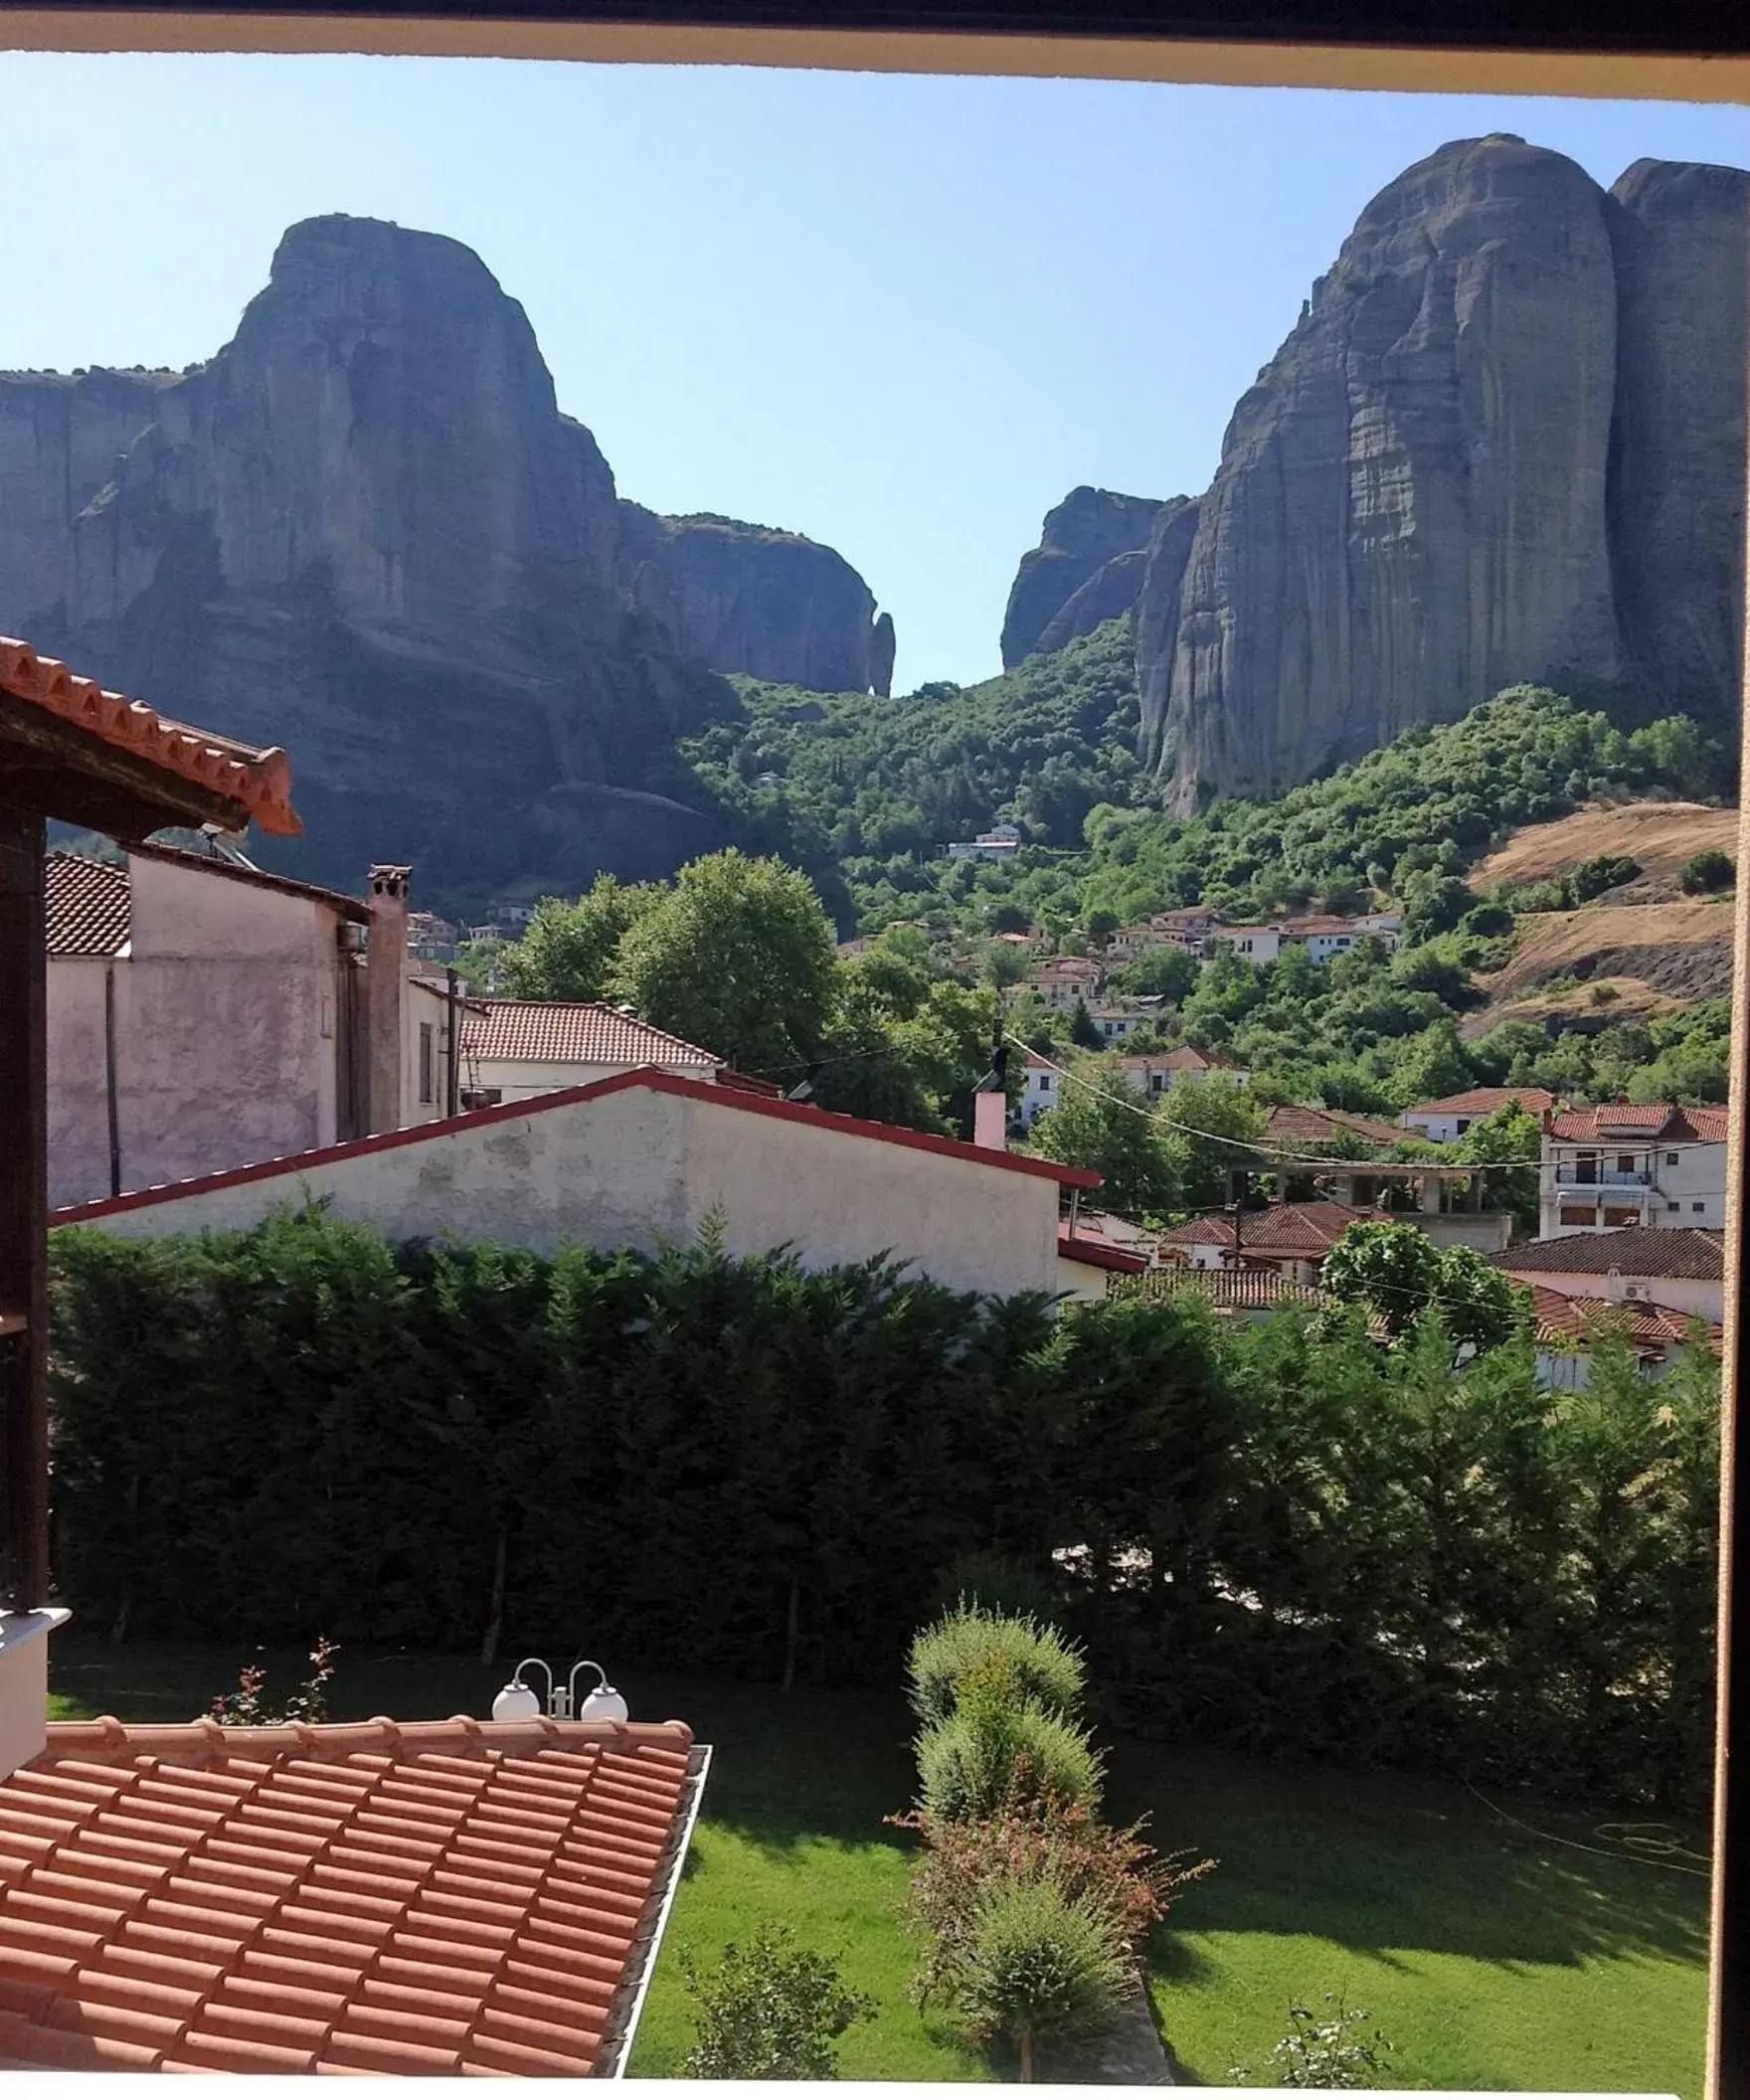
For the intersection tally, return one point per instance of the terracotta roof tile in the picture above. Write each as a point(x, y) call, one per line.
point(425, 1899)
point(259, 781)
point(1282, 1229)
point(89, 906)
point(574, 1033)
point(1682, 1251)
point(1660, 1118)
point(1290, 1123)
point(1483, 1101)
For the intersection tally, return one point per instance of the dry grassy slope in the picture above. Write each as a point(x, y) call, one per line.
point(1660, 835)
point(1654, 948)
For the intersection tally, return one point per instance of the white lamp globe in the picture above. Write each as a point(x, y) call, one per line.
point(516, 1702)
point(603, 1704)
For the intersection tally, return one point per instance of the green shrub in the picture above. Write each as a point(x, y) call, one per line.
point(770, 2009)
point(1711, 870)
point(1041, 1967)
point(1593, 877)
point(997, 1748)
point(973, 1636)
point(1332, 2054)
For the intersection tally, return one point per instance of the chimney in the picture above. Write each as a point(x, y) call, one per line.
point(385, 991)
point(990, 1104)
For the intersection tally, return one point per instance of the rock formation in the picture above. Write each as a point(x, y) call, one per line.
point(365, 530)
point(1087, 568)
point(1681, 235)
point(1506, 441)
point(748, 597)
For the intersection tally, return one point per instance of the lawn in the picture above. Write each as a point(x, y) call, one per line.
point(1493, 1956)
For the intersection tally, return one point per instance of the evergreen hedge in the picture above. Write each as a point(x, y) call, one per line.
point(1276, 1537)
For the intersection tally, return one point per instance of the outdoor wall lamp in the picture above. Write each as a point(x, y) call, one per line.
point(521, 1702)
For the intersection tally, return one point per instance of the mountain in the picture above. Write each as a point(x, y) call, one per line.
point(1503, 444)
point(1087, 568)
point(365, 530)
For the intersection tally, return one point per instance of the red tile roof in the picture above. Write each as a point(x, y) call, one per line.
point(1685, 1251)
point(89, 906)
point(1285, 1229)
point(1098, 1253)
point(430, 1897)
point(1483, 1101)
point(1290, 1123)
point(657, 1081)
point(1187, 1058)
point(1650, 1328)
point(259, 781)
point(1660, 1118)
point(574, 1033)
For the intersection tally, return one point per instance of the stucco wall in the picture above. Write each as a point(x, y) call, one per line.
point(1684, 1294)
point(522, 1079)
point(635, 1165)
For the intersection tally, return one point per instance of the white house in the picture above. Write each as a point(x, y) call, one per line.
point(1252, 944)
point(649, 1156)
point(1446, 1121)
point(1042, 1084)
point(1001, 842)
point(1632, 1163)
point(1682, 1268)
point(514, 1049)
point(204, 1013)
point(1152, 1072)
point(1065, 980)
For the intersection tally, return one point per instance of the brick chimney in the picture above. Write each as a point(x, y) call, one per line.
point(990, 1104)
point(385, 991)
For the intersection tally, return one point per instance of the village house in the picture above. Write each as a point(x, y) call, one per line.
point(1114, 1023)
point(1434, 1193)
point(514, 1049)
point(1066, 982)
point(1629, 1163)
point(204, 1013)
point(1322, 936)
point(1290, 1239)
point(1446, 1121)
point(1001, 842)
point(1681, 1268)
point(650, 1157)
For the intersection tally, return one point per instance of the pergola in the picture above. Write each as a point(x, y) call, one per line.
point(70, 750)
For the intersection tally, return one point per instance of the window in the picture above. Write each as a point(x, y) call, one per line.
point(428, 1063)
point(1697, 1206)
point(1671, 1158)
point(1464, 1124)
point(1045, 1082)
point(1673, 1207)
point(1624, 1162)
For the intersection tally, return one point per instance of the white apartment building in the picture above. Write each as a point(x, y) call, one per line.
point(1629, 1163)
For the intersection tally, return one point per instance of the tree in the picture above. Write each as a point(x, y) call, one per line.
point(1158, 972)
point(1003, 965)
point(738, 957)
point(568, 950)
point(1101, 1123)
point(1709, 870)
point(1100, 927)
point(1083, 1032)
point(1400, 1275)
point(1507, 1134)
point(1042, 1968)
point(1219, 1124)
point(1436, 906)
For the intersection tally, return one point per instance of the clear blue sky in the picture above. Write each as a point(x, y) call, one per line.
point(902, 315)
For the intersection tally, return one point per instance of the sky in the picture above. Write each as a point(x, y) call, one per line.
point(902, 315)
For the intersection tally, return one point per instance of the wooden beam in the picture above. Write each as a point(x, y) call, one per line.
point(52, 767)
point(24, 1218)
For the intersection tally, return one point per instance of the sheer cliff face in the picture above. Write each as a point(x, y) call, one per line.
point(365, 530)
point(1087, 568)
point(746, 598)
point(1410, 508)
point(1682, 234)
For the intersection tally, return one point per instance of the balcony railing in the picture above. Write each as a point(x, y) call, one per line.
point(1602, 1178)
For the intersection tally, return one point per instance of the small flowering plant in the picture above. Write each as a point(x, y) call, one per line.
point(247, 1706)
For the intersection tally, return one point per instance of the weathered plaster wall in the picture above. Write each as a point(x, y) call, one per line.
point(630, 1167)
point(521, 1079)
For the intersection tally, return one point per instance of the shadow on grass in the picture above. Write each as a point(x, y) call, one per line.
point(1382, 1863)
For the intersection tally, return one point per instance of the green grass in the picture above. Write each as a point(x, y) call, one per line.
point(1493, 1956)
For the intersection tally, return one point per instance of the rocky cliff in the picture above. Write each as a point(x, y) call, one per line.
point(1087, 568)
point(1505, 441)
point(366, 531)
point(748, 597)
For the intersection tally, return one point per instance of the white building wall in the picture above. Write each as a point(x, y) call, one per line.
point(522, 1079)
point(1683, 1292)
point(632, 1168)
point(1662, 1185)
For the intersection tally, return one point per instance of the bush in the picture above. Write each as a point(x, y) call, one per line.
point(1711, 870)
point(995, 1748)
point(1040, 1967)
point(246, 1707)
point(1332, 2054)
point(1046, 1668)
point(770, 2009)
point(1593, 877)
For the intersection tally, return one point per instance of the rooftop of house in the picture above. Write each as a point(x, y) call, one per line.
point(574, 1033)
point(1187, 1058)
point(84, 893)
point(1660, 1119)
point(1483, 1101)
point(89, 906)
point(256, 781)
point(1648, 1327)
point(1281, 1229)
point(1678, 1251)
point(458, 1896)
point(1289, 1123)
point(1075, 1243)
point(732, 1098)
